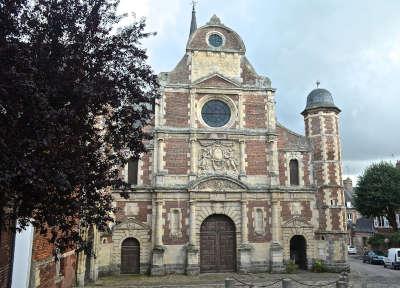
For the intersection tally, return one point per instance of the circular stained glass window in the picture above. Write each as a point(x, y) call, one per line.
point(216, 113)
point(215, 40)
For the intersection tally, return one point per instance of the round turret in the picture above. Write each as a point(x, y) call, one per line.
point(319, 98)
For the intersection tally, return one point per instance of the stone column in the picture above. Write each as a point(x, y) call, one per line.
point(159, 152)
point(193, 159)
point(245, 232)
point(192, 216)
point(276, 251)
point(273, 161)
point(192, 260)
point(242, 172)
point(158, 226)
point(245, 247)
point(157, 267)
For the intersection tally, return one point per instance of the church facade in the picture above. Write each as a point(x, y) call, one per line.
point(224, 186)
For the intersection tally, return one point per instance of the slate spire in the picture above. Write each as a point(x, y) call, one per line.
point(193, 23)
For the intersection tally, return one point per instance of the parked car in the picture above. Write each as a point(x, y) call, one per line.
point(351, 249)
point(393, 258)
point(374, 257)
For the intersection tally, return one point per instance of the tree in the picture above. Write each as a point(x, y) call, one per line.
point(75, 96)
point(378, 192)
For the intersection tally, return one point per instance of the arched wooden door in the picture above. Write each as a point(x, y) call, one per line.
point(130, 256)
point(217, 244)
point(298, 251)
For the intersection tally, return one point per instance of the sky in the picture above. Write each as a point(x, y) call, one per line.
point(351, 47)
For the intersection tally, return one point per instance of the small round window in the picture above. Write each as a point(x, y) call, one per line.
point(215, 40)
point(216, 113)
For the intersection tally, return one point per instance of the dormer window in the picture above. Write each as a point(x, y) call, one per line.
point(215, 40)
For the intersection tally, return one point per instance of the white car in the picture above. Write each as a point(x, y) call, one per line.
point(351, 249)
point(393, 259)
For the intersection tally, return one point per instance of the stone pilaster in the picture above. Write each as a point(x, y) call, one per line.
point(242, 172)
point(245, 248)
point(276, 251)
point(192, 252)
point(160, 161)
point(158, 267)
point(273, 170)
point(193, 159)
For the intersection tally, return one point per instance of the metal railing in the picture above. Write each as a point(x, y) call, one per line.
point(342, 282)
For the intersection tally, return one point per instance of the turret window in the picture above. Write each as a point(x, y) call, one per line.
point(294, 172)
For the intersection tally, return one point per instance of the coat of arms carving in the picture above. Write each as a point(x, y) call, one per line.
point(218, 158)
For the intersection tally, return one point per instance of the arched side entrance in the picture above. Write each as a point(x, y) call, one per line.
point(217, 244)
point(298, 251)
point(130, 256)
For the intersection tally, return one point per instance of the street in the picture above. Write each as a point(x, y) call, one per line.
point(373, 275)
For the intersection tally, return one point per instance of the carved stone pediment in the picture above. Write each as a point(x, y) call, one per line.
point(297, 222)
point(218, 184)
point(216, 80)
point(132, 224)
point(218, 157)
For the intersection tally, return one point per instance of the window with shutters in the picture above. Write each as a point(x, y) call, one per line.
point(133, 171)
point(294, 172)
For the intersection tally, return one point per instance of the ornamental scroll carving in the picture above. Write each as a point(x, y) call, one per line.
point(218, 184)
point(217, 157)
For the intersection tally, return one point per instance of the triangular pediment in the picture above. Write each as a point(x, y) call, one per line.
point(216, 80)
point(218, 183)
point(296, 222)
point(132, 224)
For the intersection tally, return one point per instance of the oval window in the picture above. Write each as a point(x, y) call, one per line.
point(215, 40)
point(216, 113)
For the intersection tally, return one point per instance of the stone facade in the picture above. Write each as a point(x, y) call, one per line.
point(241, 169)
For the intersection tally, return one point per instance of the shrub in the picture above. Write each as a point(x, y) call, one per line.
point(319, 266)
point(291, 267)
point(377, 241)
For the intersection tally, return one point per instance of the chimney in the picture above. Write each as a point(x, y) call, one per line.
point(348, 184)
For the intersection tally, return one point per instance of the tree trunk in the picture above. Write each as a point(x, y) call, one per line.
point(391, 216)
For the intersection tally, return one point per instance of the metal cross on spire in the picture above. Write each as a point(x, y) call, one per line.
point(318, 83)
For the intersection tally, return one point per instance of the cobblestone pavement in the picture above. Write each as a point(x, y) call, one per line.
point(374, 276)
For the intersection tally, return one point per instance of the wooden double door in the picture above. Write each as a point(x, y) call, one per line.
point(218, 244)
point(130, 256)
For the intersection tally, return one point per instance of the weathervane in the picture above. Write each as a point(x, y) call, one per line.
point(194, 2)
point(317, 83)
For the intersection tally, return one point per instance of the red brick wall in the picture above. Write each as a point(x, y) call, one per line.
point(176, 109)
point(177, 156)
point(254, 109)
point(146, 169)
point(253, 236)
point(68, 267)
point(144, 210)
point(167, 238)
point(282, 168)
point(335, 214)
point(286, 214)
point(6, 255)
point(256, 157)
point(306, 212)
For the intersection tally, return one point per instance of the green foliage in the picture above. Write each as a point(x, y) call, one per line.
point(377, 240)
point(395, 239)
point(319, 267)
point(378, 192)
point(75, 96)
point(291, 267)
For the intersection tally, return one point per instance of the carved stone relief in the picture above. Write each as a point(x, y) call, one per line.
point(218, 157)
point(218, 185)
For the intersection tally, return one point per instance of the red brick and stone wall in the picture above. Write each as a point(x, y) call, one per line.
point(256, 157)
point(6, 257)
point(177, 109)
point(255, 111)
point(169, 239)
point(177, 156)
point(253, 236)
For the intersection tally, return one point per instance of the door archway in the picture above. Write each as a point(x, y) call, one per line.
point(298, 251)
point(217, 244)
point(130, 256)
